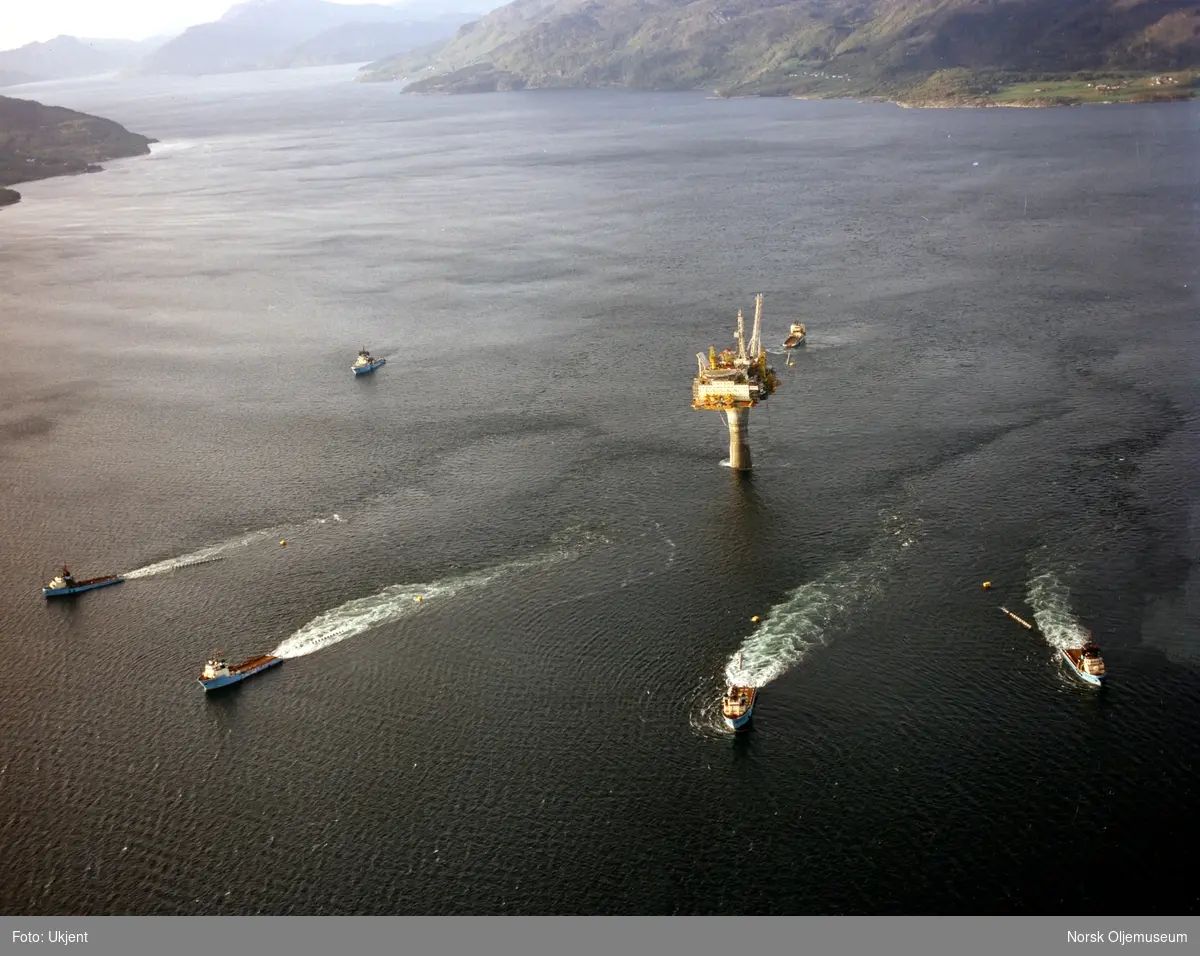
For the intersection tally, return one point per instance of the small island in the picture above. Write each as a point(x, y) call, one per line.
point(953, 53)
point(39, 141)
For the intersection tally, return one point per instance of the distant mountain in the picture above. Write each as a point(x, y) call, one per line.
point(37, 142)
point(67, 56)
point(128, 50)
point(12, 78)
point(272, 34)
point(922, 49)
point(361, 42)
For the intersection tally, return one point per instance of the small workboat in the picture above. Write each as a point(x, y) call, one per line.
point(1086, 662)
point(365, 363)
point(796, 336)
point(218, 673)
point(737, 706)
point(64, 584)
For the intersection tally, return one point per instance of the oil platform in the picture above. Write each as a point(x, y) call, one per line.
point(734, 382)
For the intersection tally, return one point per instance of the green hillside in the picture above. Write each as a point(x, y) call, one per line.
point(969, 52)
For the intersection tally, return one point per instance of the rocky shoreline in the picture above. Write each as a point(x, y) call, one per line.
point(475, 80)
point(1048, 102)
point(40, 142)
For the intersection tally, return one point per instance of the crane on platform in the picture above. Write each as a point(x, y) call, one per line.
point(734, 382)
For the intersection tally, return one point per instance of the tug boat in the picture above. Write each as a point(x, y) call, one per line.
point(64, 584)
point(218, 673)
point(365, 363)
point(737, 707)
point(1086, 662)
point(796, 336)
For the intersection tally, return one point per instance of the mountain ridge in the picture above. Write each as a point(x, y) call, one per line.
point(253, 35)
point(933, 51)
point(66, 56)
point(280, 34)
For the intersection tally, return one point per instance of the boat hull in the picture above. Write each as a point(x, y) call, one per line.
point(793, 342)
point(79, 588)
point(737, 723)
point(368, 369)
point(1083, 676)
point(225, 680)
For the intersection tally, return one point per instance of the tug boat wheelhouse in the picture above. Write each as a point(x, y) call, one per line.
point(737, 706)
point(365, 363)
point(796, 336)
point(1086, 662)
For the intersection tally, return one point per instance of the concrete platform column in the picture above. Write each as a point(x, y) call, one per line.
point(739, 438)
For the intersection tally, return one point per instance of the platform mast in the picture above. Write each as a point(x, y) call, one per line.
point(735, 382)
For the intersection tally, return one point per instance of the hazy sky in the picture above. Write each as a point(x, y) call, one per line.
point(24, 21)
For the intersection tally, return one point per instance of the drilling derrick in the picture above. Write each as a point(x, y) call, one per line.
point(734, 381)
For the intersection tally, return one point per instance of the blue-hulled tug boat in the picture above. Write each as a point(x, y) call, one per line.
point(365, 364)
point(64, 584)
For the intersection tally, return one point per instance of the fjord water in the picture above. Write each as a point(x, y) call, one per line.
point(1000, 385)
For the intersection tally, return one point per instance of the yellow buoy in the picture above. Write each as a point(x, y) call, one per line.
point(987, 584)
point(283, 544)
point(755, 618)
point(417, 598)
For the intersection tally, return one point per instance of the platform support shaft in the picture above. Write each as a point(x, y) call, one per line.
point(739, 438)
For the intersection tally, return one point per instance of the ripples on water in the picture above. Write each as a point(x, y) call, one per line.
point(391, 604)
point(996, 387)
point(218, 551)
point(809, 615)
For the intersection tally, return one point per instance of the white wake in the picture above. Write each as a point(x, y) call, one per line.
point(222, 549)
point(401, 601)
point(812, 613)
point(172, 146)
point(1051, 603)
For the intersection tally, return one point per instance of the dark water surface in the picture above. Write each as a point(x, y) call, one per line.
point(1000, 385)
